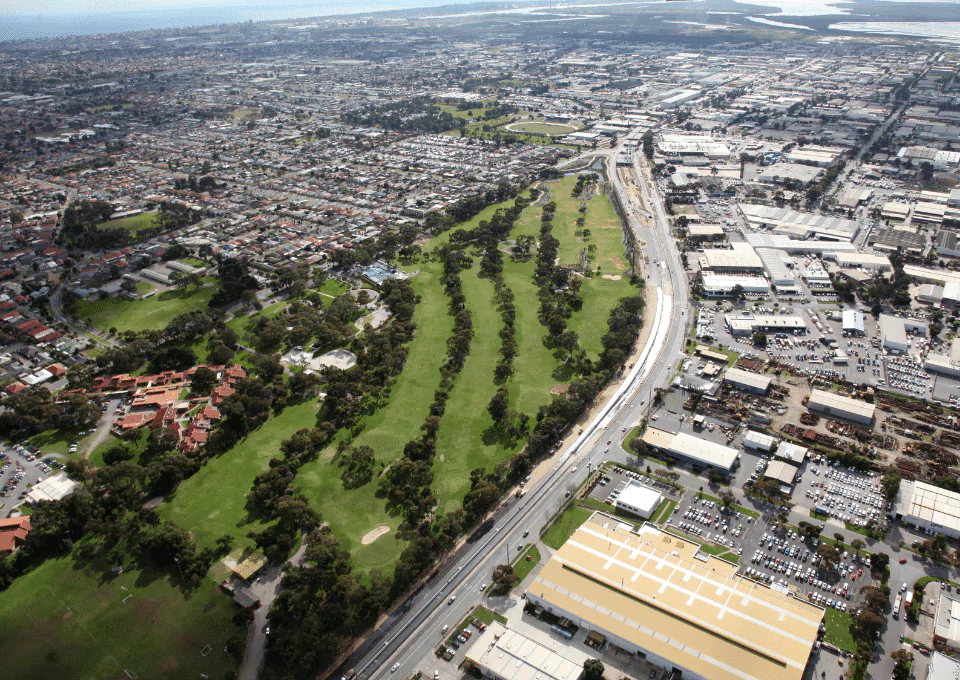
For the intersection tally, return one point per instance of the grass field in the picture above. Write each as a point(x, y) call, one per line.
point(194, 262)
point(153, 313)
point(241, 322)
point(213, 502)
point(565, 525)
point(96, 456)
point(59, 441)
point(522, 566)
point(838, 630)
point(352, 513)
point(600, 295)
point(461, 442)
point(133, 224)
point(333, 288)
point(63, 621)
point(541, 128)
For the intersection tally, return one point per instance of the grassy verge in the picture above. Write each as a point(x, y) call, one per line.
point(663, 511)
point(523, 566)
point(486, 616)
point(838, 631)
point(63, 620)
point(565, 525)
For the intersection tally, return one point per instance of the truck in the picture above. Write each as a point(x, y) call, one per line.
point(896, 606)
point(908, 599)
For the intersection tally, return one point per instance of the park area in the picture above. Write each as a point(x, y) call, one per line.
point(152, 313)
point(466, 438)
point(133, 225)
point(541, 128)
point(64, 620)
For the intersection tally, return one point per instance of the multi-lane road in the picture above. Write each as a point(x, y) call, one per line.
point(413, 631)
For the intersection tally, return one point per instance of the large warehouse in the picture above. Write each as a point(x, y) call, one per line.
point(652, 594)
point(720, 285)
point(700, 453)
point(748, 325)
point(928, 507)
point(745, 380)
point(740, 258)
point(839, 406)
point(504, 654)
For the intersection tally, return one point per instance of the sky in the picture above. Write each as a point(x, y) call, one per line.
point(37, 7)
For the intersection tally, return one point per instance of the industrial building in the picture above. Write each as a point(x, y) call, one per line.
point(783, 472)
point(853, 322)
point(638, 499)
point(946, 622)
point(719, 285)
point(800, 225)
point(928, 507)
point(504, 654)
point(699, 453)
point(894, 330)
point(791, 453)
point(943, 667)
point(705, 232)
point(740, 258)
point(758, 441)
point(839, 406)
point(654, 594)
point(747, 381)
point(875, 263)
point(789, 173)
point(748, 325)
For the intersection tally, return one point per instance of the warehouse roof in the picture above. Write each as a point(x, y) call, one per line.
point(929, 503)
point(785, 473)
point(741, 377)
point(704, 451)
point(838, 402)
point(695, 612)
point(740, 256)
point(513, 656)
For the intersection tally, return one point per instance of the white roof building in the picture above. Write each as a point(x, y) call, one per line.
point(943, 667)
point(718, 285)
point(506, 654)
point(638, 499)
point(928, 507)
point(54, 488)
point(853, 321)
point(759, 441)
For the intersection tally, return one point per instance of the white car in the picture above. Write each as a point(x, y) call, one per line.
point(394, 667)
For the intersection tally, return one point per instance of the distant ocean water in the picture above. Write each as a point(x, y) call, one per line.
point(26, 24)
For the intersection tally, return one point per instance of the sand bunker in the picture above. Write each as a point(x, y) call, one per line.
point(612, 277)
point(374, 534)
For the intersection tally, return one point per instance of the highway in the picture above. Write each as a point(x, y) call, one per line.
point(411, 634)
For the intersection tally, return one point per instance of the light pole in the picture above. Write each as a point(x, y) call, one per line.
point(177, 560)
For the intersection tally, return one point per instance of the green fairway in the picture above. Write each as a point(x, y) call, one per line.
point(153, 313)
point(603, 289)
point(352, 513)
point(461, 442)
point(67, 622)
point(213, 502)
point(133, 224)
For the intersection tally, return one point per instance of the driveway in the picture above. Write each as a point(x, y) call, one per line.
point(265, 588)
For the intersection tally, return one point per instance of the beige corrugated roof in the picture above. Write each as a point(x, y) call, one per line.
point(650, 589)
point(513, 656)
